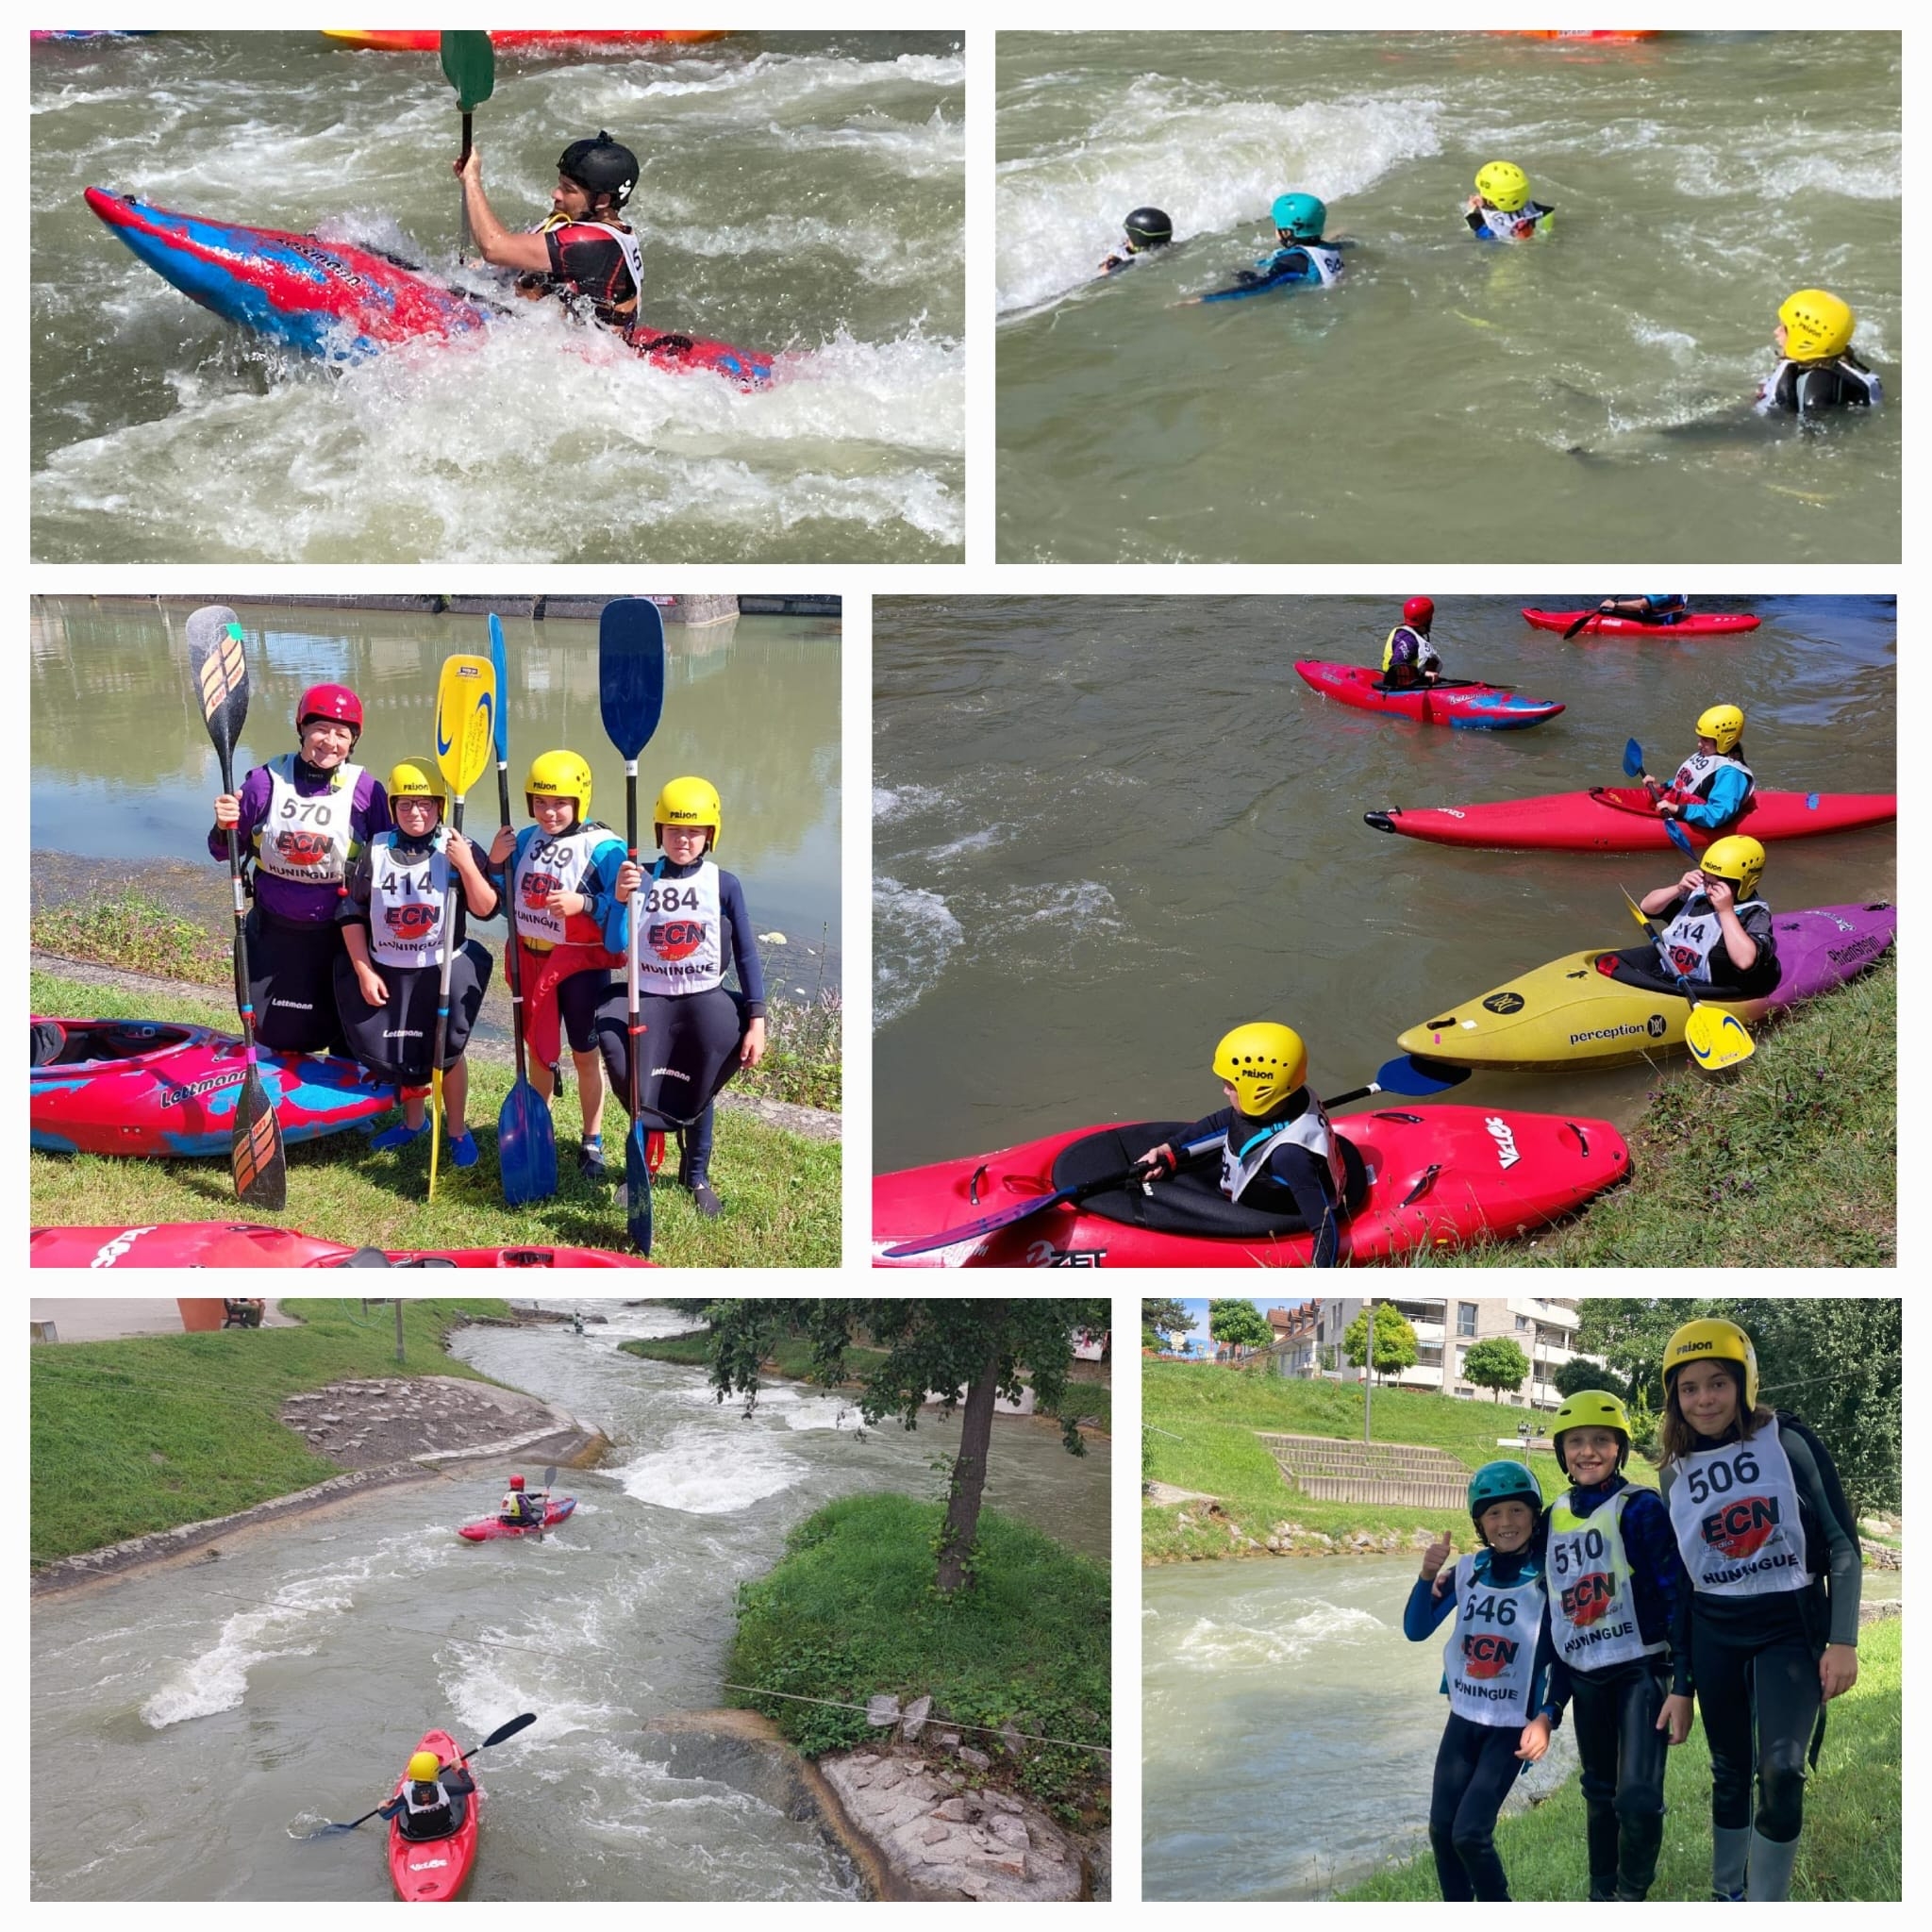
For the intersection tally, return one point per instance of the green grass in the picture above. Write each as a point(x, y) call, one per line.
point(1090, 1403)
point(851, 1610)
point(131, 1437)
point(1199, 1423)
point(1851, 1844)
point(780, 1191)
point(1790, 1162)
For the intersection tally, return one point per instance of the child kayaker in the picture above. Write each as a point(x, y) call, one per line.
point(1768, 1632)
point(562, 871)
point(1146, 229)
point(519, 1509)
point(1303, 255)
point(1660, 611)
point(1614, 1582)
point(1711, 786)
point(1408, 657)
point(1495, 1674)
point(697, 1031)
point(307, 815)
point(1818, 370)
point(1717, 932)
point(433, 1803)
point(1278, 1151)
point(1501, 209)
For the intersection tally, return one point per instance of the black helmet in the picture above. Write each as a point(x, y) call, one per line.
point(1149, 228)
point(601, 167)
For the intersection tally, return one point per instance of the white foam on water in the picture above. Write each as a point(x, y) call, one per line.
point(217, 1680)
point(971, 842)
point(1214, 1643)
point(818, 1412)
point(914, 934)
point(931, 150)
point(1072, 908)
point(891, 802)
point(711, 1472)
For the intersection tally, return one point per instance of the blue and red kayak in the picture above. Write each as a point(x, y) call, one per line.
point(340, 302)
point(1459, 702)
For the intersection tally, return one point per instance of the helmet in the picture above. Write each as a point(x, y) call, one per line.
point(560, 775)
point(1300, 215)
point(1264, 1063)
point(516, 1482)
point(416, 778)
point(1502, 1482)
point(689, 802)
point(1724, 723)
point(334, 702)
point(1148, 227)
point(1736, 859)
point(1817, 326)
point(1420, 611)
point(1591, 1409)
point(1503, 185)
point(424, 1769)
point(1713, 1340)
point(602, 166)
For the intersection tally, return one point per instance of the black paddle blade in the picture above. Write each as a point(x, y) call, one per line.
point(637, 1188)
point(220, 671)
point(508, 1730)
point(469, 64)
point(525, 1147)
point(630, 672)
point(261, 1174)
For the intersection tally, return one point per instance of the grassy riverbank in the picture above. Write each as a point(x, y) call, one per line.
point(136, 1435)
point(780, 1189)
point(850, 1611)
point(1850, 1849)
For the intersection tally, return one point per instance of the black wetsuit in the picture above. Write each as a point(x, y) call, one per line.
point(1640, 966)
point(1294, 1181)
point(1802, 389)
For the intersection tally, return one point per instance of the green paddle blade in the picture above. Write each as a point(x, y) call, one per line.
point(469, 64)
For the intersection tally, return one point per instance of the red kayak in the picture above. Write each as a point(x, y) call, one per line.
point(1421, 1177)
point(1458, 702)
point(1620, 818)
point(436, 1868)
point(1696, 624)
point(240, 1245)
point(427, 40)
point(489, 1530)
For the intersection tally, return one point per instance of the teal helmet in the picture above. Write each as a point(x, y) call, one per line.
point(1502, 1482)
point(1300, 215)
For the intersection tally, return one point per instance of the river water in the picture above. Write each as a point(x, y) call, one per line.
point(186, 1721)
point(122, 766)
point(801, 192)
point(1585, 397)
point(1105, 831)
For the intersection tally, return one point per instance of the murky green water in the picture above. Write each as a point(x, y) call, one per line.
point(801, 192)
point(1581, 398)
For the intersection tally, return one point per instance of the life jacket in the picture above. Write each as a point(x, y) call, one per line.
point(615, 311)
point(1326, 260)
point(1698, 774)
point(307, 840)
point(1799, 387)
point(1426, 657)
point(1488, 1663)
point(541, 865)
point(1685, 946)
point(1735, 1513)
point(1593, 1621)
point(1240, 1164)
point(1521, 225)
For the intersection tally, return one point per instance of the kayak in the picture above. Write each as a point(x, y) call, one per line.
point(242, 1244)
point(1568, 1015)
point(1620, 818)
point(1696, 624)
point(427, 40)
point(148, 1086)
point(1427, 1176)
point(340, 302)
point(435, 1868)
point(489, 1530)
point(1459, 702)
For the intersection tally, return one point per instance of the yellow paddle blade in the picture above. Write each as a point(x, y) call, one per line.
point(1718, 1040)
point(465, 720)
point(1635, 911)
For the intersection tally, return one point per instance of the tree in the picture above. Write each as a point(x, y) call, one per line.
point(1496, 1363)
point(1239, 1324)
point(1164, 1318)
point(1395, 1348)
point(932, 1347)
point(1577, 1374)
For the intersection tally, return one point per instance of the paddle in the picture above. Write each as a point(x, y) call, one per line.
point(469, 64)
point(496, 1737)
point(465, 731)
point(220, 671)
point(1585, 619)
point(549, 1481)
point(630, 690)
point(525, 1135)
point(1716, 1039)
point(1403, 1074)
point(1633, 768)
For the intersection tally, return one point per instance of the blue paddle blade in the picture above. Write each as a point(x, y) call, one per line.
point(502, 664)
point(637, 1187)
point(630, 672)
point(1633, 760)
point(1408, 1074)
point(525, 1147)
point(1674, 833)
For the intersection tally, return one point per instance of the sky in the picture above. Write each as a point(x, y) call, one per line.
point(1198, 1308)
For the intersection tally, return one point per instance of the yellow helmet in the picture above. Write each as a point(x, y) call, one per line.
point(1264, 1063)
point(425, 1767)
point(560, 775)
point(1736, 859)
point(689, 802)
point(1590, 1408)
point(1713, 1340)
point(1724, 723)
point(1817, 326)
point(1503, 185)
point(416, 778)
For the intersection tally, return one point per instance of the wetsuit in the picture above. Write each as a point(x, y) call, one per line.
point(1801, 389)
point(596, 261)
point(1283, 1162)
point(1489, 224)
point(1767, 1594)
point(1693, 943)
point(1315, 262)
point(438, 1818)
point(1477, 1761)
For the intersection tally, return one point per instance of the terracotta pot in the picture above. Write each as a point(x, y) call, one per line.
point(201, 1317)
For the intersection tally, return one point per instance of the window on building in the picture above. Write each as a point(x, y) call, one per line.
point(1428, 1354)
point(1465, 1392)
point(1465, 1318)
point(1522, 1322)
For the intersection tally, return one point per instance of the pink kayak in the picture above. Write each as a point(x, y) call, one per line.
point(1461, 702)
point(489, 1530)
point(1694, 623)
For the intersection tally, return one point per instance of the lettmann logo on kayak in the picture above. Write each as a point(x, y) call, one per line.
point(1504, 1140)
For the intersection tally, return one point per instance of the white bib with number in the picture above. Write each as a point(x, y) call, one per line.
point(1491, 1656)
point(302, 839)
point(1735, 1512)
point(679, 946)
point(406, 902)
point(1592, 1612)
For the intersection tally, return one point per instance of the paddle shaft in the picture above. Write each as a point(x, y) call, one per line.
point(448, 950)
point(512, 972)
point(499, 1736)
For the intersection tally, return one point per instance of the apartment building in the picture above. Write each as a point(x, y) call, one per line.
point(1446, 1328)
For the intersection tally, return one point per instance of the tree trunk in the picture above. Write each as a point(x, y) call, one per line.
point(969, 1468)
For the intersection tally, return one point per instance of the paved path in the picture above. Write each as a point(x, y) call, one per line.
point(107, 1318)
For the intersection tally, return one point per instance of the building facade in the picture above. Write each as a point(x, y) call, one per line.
point(1446, 1327)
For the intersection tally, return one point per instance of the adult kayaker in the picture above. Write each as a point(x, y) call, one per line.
point(305, 816)
point(387, 982)
point(1712, 786)
point(519, 1509)
point(1146, 229)
point(698, 1031)
point(1303, 255)
point(1660, 611)
point(1278, 1151)
point(1717, 931)
point(434, 1801)
point(1501, 209)
point(581, 251)
point(1408, 657)
point(1818, 371)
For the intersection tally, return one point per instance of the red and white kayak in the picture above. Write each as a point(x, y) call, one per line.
point(1421, 1177)
point(1459, 702)
point(436, 1869)
point(489, 1530)
point(242, 1244)
point(1692, 624)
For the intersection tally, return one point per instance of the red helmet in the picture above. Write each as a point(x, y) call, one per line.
point(1420, 611)
point(516, 1482)
point(334, 702)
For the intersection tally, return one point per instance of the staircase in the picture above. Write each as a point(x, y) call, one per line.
point(1400, 1474)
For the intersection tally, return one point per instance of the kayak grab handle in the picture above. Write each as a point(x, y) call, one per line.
point(973, 1186)
point(1424, 1183)
point(1582, 1138)
point(1380, 820)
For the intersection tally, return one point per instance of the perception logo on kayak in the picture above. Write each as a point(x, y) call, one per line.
point(1505, 1139)
point(1504, 1003)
